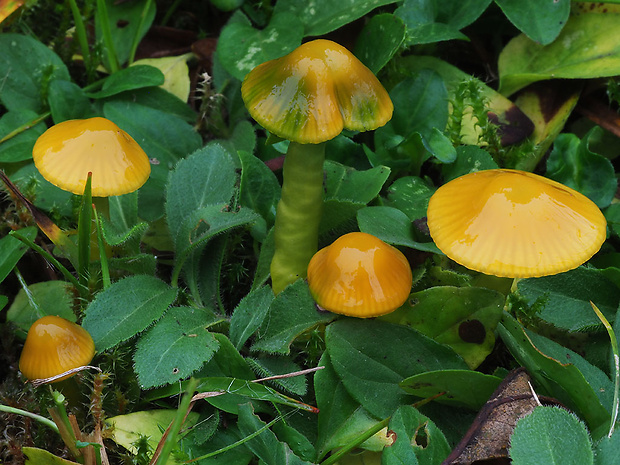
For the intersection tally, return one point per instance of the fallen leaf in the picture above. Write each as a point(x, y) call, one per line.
point(489, 435)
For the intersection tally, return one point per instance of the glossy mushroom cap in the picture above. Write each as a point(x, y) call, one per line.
point(514, 224)
point(359, 275)
point(55, 345)
point(311, 94)
point(68, 151)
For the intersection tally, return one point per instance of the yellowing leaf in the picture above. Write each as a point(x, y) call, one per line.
point(37, 456)
point(7, 7)
point(127, 429)
point(588, 47)
point(175, 72)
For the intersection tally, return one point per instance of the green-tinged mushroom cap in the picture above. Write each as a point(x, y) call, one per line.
point(313, 93)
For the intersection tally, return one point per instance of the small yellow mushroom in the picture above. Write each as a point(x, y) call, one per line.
point(359, 275)
point(54, 346)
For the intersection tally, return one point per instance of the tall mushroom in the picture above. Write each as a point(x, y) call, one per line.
point(514, 224)
point(359, 275)
point(308, 97)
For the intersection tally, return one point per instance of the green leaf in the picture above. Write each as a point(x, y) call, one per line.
point(380, 39)
point(392, 226)
point(588, 47)
point(134, 77)
point(440, 146)
point(561, 372)
point(346, 191)
point(259, 188)
point(265, 445)
point(123, 223)
point(540, 21)
point(205, 178)
point(418, 440)
point(27, 66)
point(341, 418)
point(52, 297)
point(271, 365)
point(127, 20)
point(291, 314)
point(322, 16)
point(420, 105)
point(158, 99)
point(241, 48)
point(372, 357)
point(347, 184)
point(249, 315)
point(550, 435)
point(204, 224)
point(19, 147)
point(607, 450)
point(573, 164)
point(566, 298)
point(410, 194)
point(175, 347)
point(469, 158)
point(245, 388)
point(68, 101)
point(127, 307)
point(431, 21)
point(12, 250)
point(460, 388)
point(463, 318)
point(47, 197)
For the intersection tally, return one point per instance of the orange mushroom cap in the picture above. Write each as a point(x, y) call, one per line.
point(53, 346)
point(68, 151)
point(514, 224)
point(311, 94)
point(359, 275)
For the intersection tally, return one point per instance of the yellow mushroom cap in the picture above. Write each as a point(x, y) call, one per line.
point(514, 224)
point(55, 345)
point(359, 275)
point(68, 151)
point(311, 94)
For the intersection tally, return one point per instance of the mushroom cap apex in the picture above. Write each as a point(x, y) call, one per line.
point(359, 275)
point(313, 93)
point(515, 224)
point(68, 151)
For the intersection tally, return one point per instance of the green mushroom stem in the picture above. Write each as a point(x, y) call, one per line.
point(298, 214)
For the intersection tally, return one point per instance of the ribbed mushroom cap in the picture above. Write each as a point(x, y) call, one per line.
point(514, 224)
point(311, 94)
point(55, 345)
point(68, 151)
point(359, 275)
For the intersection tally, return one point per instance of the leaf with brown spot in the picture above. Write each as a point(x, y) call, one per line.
point(548, 105)
point(514, 125)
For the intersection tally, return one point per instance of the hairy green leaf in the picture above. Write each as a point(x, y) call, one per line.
point(126, 308)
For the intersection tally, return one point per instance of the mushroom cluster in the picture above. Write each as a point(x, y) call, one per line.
point(308, 97)
point(359, 275)
point(515, 224)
